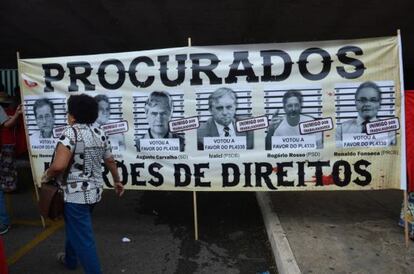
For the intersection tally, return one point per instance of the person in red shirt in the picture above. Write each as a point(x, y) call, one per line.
point(3, 262)
point(409, 135)
point(6, 122)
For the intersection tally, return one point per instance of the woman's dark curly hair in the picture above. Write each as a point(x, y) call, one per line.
point(83, 108)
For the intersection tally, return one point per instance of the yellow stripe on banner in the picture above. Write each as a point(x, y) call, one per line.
point(33, 243)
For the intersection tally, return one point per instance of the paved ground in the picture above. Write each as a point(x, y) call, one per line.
point(311, 232)
point(160, 227)
point(341, 232)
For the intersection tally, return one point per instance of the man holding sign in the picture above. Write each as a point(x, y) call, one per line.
point(222, 106)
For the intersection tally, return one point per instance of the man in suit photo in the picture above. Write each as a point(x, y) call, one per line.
point(222, 106)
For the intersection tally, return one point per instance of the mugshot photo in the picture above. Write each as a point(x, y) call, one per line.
point(286, 108)
point(358, 104)
point(218, 111)
point(152, 114)
point(44, 115)
point(109, 112)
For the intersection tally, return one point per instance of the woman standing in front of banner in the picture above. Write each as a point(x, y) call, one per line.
point(84, 185)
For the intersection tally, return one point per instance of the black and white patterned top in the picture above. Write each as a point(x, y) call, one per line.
point(84, 183)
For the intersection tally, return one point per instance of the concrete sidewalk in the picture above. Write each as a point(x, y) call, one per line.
point(159, 224)
point(337, 232)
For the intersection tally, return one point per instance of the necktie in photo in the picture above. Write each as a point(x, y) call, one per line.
point(226, 131)
point(364, 126)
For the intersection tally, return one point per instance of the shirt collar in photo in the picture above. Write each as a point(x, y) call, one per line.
point(166, 136)
point(360, 120)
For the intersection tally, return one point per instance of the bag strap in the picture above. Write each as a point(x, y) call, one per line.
point(65, 175)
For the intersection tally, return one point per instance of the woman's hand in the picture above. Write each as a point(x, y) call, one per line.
point(45, 178)
point(19, 110)
point(119, 189)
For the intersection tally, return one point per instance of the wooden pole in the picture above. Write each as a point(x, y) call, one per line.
point(406, 218)
point(195, 215)
point(27, 135)
point(194, 192)
point(404, 177)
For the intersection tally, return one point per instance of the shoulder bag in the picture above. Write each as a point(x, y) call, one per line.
point(51, 193)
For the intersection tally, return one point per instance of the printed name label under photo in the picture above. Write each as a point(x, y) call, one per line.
point(383, 126)
point(363, 140)
point(252, 124)
point(316, 126)
point(184, 124)
point(294, 142)
point(225, 143)
point(160, 145)
point(115, 128)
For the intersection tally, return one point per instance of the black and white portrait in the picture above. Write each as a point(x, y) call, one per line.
point(110, 111)
point(225, 107)
point(159, 107)
point(44, 115)
point(357, 106)
point(286, 109)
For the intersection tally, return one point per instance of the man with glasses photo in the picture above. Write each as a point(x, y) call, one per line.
point(45, 118)
point(367, 103)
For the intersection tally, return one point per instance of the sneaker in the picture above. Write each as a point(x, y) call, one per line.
point(61, 258)
point(4, 229)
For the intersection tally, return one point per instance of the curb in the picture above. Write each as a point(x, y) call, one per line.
point(285, 260)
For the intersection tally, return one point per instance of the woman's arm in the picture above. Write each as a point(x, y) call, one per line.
point(12, 120)
point(60, 162)
point(110, 163)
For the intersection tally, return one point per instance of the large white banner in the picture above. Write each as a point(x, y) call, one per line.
point(293, 116)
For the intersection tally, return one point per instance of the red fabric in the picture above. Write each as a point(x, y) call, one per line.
point(14, 135)
point(409, 131)
point(3, 262)
point(7, 134)
point(21, 143)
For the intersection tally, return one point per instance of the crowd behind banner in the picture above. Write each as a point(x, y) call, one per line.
point(293, 116)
